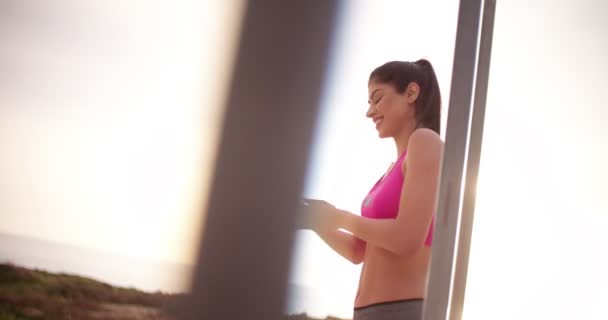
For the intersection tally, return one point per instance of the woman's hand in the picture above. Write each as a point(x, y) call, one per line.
point(315, 214)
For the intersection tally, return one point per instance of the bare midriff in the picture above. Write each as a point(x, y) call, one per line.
point(386, 276)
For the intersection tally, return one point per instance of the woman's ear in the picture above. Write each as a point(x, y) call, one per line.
point(412, 91)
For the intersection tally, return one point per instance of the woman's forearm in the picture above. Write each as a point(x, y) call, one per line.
point(380, 232)
point(345, 244)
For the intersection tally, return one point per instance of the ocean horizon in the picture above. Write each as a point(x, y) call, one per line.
point(132, 272)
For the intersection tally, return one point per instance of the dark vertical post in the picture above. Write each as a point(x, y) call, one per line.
point(245, 252)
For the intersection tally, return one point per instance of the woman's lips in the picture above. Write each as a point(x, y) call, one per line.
point(378, 122)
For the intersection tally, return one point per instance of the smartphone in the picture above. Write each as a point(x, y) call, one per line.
point(309, 201)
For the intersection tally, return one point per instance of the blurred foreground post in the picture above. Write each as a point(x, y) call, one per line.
point(245, 253)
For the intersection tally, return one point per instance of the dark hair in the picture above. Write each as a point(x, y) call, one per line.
point(401, 74)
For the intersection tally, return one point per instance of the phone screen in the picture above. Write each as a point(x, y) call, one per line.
point(309, 201)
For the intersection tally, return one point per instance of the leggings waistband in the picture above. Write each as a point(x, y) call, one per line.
point(387, 303)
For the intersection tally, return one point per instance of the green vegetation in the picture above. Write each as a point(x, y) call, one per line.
point(34, 294)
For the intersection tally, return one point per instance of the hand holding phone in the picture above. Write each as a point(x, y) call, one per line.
point(311, 212)
point(314, 202)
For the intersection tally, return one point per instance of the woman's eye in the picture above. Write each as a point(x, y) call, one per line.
point(378, 100)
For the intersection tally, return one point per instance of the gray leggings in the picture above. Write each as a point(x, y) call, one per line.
point(410, 309)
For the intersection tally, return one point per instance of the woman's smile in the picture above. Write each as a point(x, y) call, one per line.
point(378, 121)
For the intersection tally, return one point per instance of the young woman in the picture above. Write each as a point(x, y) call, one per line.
point(392, 236)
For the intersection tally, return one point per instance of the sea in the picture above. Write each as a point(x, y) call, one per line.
point(140, 273)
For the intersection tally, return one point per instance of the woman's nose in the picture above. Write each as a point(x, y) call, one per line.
point(370, 112)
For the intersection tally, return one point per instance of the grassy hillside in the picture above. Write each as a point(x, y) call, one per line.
point(34, 294)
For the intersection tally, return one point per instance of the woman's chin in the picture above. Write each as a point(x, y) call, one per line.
point(381, 134)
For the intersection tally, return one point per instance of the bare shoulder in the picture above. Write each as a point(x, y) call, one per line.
point(425, 141)
point(424, 146)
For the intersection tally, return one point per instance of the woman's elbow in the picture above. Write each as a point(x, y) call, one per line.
point(408, 247)
point(359, 253)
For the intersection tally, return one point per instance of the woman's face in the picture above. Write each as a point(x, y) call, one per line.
point(389, 110)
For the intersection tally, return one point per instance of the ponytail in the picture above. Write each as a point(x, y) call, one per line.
point(428, 106)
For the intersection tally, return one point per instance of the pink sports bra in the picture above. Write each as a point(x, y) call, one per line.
point(382, 201)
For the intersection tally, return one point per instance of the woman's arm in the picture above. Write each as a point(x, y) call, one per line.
point(345, 244)
point(406, 233)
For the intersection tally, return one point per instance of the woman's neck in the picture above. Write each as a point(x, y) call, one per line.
point(402, 139)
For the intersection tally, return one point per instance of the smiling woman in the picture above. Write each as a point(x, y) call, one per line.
point(347, 157)
point(393, 234)
point(420, 82)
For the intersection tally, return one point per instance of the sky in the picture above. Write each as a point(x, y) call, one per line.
point(108, 121)
point(109, 114)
